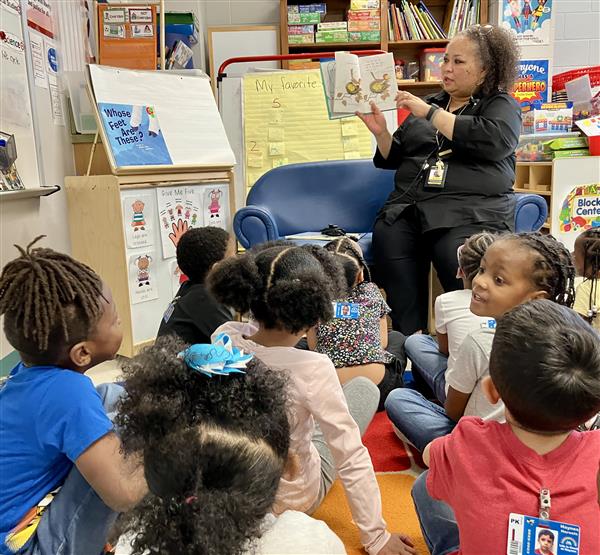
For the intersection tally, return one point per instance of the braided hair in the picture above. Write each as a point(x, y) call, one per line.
point(48, 299)
point(285, 286)
point(589, 243)
point(351, 258)
point(552, 267)
point(472, 251)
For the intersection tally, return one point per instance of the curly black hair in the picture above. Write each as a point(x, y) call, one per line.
point(49, 301)
point(545, 364)
point(499, 54)
point(285, 287)
point(199, 249)
point(351, 258)
point(472, 252)
point(214, 450)
point(552, 268)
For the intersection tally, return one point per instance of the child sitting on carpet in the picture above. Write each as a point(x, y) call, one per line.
point(545, 367)
point(430, 357)
point(194, 314)
point(214, 462)
point(289, 290)
point(356, 342)
point(516, 268)
point(55, 427)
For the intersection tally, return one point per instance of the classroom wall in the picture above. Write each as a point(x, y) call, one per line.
point(241, 12)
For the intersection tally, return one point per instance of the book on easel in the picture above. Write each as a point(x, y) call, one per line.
point(352, 82)
point(157, 121)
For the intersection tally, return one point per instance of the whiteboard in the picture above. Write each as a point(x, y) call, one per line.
point(14, 92)
point(241, 40)
point(189, 119)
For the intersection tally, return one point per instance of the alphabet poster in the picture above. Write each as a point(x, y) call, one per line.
point(530, 20)
point(138, 215)
point(134, 134)
point(142, 277)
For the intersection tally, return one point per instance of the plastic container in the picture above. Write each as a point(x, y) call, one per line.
point(594, 143)
point(83, 113)
point(431, 64)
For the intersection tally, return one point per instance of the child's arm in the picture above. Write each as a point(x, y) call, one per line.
point(442, 340)
point(117, 480)
point(455, 404)
point(311, 339)
point(383, 332)
point(425, 455)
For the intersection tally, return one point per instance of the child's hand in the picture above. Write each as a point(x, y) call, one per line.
point(398, 544)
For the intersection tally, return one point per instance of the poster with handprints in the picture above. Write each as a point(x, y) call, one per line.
point(193, 207)
point(170, 203)
point(215, 206)
point(137, 217)
point(529, 20)
point(142, 277)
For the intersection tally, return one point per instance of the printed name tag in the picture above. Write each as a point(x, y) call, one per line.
point(528, 535)
point(489, 325)
point(169, 312)
point(346, 311)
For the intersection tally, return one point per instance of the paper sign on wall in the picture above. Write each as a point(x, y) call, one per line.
point(172, 227)
point(215, 203)
point(529, 20)
point(142, 277)
point(137, 216)
point(532, 81)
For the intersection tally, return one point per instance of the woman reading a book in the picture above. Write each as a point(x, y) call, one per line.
point(454, 156)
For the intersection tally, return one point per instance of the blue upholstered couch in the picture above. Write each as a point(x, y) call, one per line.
point(304, 198)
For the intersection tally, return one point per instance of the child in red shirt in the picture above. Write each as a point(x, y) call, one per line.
point(545, 366)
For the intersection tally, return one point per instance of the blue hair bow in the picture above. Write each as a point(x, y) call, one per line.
point(220, 358)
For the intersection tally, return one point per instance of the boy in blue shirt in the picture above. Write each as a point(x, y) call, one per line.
point(54, 428)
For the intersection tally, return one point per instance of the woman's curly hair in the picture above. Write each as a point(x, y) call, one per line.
point(285, 286)
point(499, 54)
point(214, 450)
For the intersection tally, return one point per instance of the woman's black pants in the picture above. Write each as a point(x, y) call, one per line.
point(403, 254)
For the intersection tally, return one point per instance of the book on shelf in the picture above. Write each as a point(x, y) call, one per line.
point(410, 21)
point(352, 82)
point(464, 14)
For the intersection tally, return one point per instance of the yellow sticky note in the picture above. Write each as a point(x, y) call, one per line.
point(255, 161)
point(279, 162)
point(276, 116)
point(276, 149)
point(350, 143)
point(351, 155)
point(349, 129)
point(276, 134)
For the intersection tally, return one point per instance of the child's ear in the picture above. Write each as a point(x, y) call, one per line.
point(489, 390)
point(80, 354)
point(539, 295)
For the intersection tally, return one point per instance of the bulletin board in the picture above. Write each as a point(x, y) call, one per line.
point(14, 92)
point(286, 122)
point(575, 198)
point(127, 36)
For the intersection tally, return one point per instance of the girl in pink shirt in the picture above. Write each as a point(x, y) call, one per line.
point(290, 289)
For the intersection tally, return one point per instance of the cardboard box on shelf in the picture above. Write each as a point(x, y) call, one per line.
point(331, 36)
point(301, 39)
point(548, 118)
point(301, 29)
point(304, 18)
point(364, 36)
point(332, 26)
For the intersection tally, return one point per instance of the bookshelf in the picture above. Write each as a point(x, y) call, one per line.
point(407, 50)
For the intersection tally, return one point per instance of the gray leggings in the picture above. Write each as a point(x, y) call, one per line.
point(362, 396)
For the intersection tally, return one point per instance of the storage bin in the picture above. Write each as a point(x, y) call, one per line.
point(431, 64)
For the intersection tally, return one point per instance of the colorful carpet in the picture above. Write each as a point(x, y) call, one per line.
point(396, 466)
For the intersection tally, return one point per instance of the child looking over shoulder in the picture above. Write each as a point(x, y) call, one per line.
point(289, 290)
point(356, 342)
point(55, 426)
point(587, 265)
point(545, 367)
point(430, 357)
point(194, 314)
point(515, 268)
point(214, 464)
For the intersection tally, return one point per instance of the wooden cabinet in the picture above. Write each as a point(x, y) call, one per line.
point(535, 177)
point(407, 50)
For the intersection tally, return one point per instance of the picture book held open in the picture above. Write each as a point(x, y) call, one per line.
point(352, 82)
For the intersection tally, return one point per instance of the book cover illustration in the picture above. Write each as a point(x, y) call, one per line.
point(532, 82)
point(134, 134)
point(351, 83)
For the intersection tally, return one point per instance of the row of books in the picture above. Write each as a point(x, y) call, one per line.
point(464, 14)
point(410, 21)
